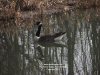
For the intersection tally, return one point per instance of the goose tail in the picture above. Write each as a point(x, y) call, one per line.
point(59, 36)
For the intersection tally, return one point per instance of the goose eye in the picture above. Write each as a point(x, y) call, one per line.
point(37, 23)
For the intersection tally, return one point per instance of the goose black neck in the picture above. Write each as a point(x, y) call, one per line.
point(38, 32)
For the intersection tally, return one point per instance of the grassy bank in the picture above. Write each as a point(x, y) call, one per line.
point(9, 8)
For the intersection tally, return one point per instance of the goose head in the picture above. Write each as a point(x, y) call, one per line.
point(39, 24)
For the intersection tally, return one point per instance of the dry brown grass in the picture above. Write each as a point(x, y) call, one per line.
point(44, 6)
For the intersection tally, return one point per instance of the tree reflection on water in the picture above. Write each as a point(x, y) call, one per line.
point(21, 55)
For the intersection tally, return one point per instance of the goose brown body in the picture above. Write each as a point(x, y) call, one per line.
point(47, 38)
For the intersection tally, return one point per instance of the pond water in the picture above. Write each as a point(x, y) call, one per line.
point(78, 53)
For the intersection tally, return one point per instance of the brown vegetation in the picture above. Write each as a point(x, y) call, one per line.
point(9, 9)
point(88, 3)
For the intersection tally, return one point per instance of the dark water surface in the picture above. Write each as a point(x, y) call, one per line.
point(77, 54)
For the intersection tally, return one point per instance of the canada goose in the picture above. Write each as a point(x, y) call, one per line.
point(47, 38)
